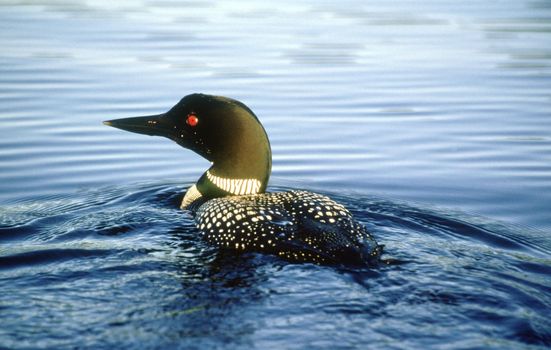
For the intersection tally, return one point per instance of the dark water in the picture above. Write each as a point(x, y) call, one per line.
point(430, 121)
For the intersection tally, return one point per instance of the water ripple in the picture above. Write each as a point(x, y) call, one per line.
point(439, 103)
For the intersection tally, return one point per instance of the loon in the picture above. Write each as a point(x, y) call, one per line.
point(229, 201)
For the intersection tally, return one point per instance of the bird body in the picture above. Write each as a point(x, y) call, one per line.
point(231, 208)
point(296, 225)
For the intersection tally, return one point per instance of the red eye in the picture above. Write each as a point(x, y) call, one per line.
point(192, 119)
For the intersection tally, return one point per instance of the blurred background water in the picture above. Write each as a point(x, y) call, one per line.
point(415, 113)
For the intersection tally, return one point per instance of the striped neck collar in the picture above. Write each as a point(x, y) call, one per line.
point(235, 186)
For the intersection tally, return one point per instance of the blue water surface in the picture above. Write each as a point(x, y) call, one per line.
point(429, 120)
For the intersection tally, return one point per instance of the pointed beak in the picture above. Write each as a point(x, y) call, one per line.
point(153, 125)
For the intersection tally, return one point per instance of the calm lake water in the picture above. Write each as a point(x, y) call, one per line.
point(430, 121)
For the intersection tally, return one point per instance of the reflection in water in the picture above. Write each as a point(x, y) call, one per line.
point(136, 265)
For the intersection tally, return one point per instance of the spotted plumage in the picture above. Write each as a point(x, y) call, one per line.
point(296, 225)
point(229, 201)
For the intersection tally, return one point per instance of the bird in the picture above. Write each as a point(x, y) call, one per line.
point(229, 202)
